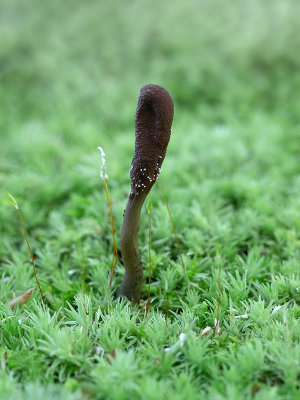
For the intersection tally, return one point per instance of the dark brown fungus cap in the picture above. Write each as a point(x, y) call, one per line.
point(153, 121)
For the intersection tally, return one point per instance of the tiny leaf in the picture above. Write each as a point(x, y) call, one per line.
point(20, 299)
point(12, 200)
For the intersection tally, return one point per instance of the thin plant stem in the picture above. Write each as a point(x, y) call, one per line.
point(115, 254)
point(113, 266)
point(171, 219)
point(219, 299)
point(32, 259)
point(166, 308)
point(82, 267)
point(149, 219)
point(85, 306)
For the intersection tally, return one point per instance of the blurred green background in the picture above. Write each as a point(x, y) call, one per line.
point(72, 61)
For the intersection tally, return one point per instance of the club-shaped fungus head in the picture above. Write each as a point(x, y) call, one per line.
point(153, 122)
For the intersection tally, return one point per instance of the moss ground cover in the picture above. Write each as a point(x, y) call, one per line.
point(70, 74)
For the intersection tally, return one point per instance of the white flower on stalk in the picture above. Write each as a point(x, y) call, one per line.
point(103, 174)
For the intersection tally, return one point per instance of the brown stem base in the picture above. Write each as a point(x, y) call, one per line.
point(133, 279)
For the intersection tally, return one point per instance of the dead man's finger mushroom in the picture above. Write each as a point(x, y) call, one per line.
point(153, 122)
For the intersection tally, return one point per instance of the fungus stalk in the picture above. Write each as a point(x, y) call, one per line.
point(153, 121)
point(149, 248)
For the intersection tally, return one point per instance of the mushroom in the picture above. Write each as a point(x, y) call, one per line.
point(153, 121)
